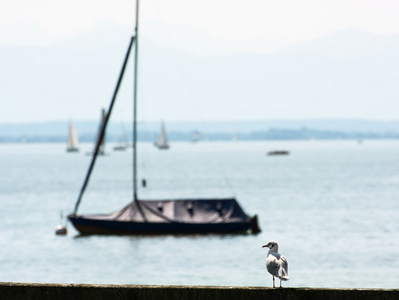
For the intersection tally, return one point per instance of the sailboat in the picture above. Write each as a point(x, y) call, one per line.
point(162, 142)
point(197, 136)
point(151, 217)
point(122, 146)
point(100, 139)
point(73, 142)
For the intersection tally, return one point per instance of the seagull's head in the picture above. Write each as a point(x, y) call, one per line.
point(272, 245)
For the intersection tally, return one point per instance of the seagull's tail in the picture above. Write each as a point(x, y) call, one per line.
point(285, 278)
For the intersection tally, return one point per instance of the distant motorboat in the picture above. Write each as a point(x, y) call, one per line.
point(73, 142)
point(162, 142)
point(278, 152)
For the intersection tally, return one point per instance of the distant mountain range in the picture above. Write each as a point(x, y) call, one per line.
point(349, 74)
point(215, 130)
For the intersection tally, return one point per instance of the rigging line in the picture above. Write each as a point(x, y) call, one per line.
point(103, 127)
point(136, 55)
point(136, 49)
point(193, 96)
point(194, 100)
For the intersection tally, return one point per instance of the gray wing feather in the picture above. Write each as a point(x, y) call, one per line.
point(272, 265)
point(277, 265)
point(284, 266)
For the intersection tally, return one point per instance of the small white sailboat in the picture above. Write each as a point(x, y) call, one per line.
point(122, 146)
point(101, 150)
point(197, 136)
point(162, 142)
point(73, 142)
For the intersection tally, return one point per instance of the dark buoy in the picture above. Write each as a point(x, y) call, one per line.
point(61, 230)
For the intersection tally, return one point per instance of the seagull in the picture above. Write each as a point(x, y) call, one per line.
point(276, 264)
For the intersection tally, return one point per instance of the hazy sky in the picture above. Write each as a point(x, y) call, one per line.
point(282, 21)
point(205, 27)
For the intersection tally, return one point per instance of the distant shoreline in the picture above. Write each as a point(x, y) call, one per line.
point(269, 135)
point(342, 129)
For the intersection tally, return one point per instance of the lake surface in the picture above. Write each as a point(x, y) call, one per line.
point(333, 207)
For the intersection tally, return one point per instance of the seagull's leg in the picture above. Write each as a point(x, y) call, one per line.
point(273, 282)
point(280, 284)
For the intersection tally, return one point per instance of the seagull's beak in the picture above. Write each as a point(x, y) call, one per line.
point(265, 246)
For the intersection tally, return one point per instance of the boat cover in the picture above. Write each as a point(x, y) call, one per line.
point(196, 211)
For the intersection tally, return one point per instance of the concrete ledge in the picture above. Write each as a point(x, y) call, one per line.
point(38, 291)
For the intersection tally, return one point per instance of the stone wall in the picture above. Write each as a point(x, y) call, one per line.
point(36, 291)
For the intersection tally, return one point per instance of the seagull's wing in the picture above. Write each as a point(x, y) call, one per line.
point(272, 265)
point(283, 266)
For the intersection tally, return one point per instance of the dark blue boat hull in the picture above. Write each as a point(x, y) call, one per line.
point(187, 216)
point(88, 227)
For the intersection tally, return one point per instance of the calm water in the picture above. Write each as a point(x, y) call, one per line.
point(333, 206)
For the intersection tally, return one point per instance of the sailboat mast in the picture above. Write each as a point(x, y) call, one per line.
point(102, 129)
point(135, 105)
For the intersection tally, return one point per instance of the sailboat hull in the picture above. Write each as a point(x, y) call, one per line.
point(91, 227)
point(198, 216)
point(162, 147)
